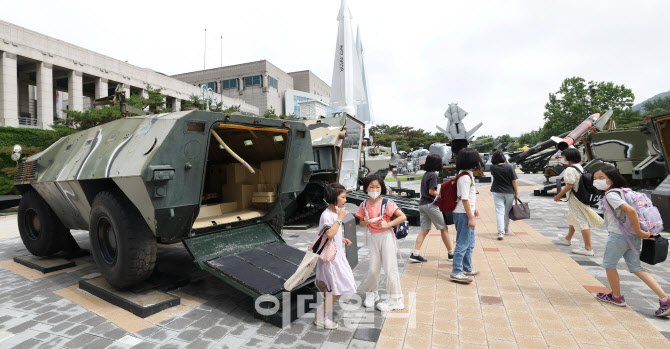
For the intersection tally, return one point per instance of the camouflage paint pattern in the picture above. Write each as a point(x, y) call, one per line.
point(157, 161)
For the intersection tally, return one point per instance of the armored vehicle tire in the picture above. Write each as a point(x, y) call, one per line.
point(123, 246)
point(41, 230)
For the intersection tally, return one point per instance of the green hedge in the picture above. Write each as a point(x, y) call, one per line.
point(35, 139)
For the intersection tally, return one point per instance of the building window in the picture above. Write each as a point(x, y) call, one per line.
point(228, 84)
point(273, 82)
point(252, 80)
point(212, 85)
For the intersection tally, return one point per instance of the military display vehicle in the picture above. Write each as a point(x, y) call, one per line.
point(375, 159)
point(336, 145)
point(218, 183)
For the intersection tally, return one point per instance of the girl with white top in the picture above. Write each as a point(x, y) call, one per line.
point(333, 278)
point(468, 159)
point(617, 246)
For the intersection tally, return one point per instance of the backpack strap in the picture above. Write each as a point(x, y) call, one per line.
point(397, 244)
point(573, 187)
point(622, 227)
point(383, 207)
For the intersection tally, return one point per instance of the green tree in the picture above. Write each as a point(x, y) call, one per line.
point(576, 100)
point(270, 113)
point(405, 137)
point(153, 104)
point(192, 102)
point(658, 111)
point(658, 103)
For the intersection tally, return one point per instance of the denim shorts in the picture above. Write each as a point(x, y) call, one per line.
point(617, 247)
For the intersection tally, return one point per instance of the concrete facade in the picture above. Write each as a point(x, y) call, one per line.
point(307, 81)
point(32, 61)
point(265, 95)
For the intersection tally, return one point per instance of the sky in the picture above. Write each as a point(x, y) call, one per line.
point(498, 60)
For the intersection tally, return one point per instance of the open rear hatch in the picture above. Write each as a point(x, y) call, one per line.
point(253, 259)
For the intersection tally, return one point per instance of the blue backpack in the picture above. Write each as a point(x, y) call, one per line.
point(401, 230)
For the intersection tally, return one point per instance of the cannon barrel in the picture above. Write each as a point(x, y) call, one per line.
point(578, 132)
point(536, 149)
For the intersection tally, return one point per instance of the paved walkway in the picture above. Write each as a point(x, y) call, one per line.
point(530, 294)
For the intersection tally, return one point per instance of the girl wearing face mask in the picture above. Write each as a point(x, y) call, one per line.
point(333, 278)
point(580, 216)
point(608, 177)
point(382, 244)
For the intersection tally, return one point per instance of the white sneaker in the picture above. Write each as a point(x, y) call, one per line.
point(583, 252)
point(325, 323)
point(370, 299)
point(561, 240)
point(472, 272)
point(460, 277)
point(501, 235)
point(389, 305)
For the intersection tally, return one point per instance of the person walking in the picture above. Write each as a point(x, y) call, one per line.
point(504, 190)
point(617, 246)
point(468, 159)
point(429, 210)
point(379, 221)
point(333, 278)
point(580, 216)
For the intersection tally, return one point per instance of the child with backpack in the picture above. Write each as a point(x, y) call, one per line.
point(620, 241)
point(429, 210)
point(382, 244)
point(580, 216)
point(333, 278)
point(467, 160)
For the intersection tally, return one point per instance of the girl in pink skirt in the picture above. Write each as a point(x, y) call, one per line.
point(334, 278)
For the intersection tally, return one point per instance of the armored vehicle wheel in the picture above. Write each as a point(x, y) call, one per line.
point(123, 246)
point(42, 232)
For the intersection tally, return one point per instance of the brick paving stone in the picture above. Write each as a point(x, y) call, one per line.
point(189, 335)
point(86, 340)
point(30, 343)
point(200, 344)
point(145, 345)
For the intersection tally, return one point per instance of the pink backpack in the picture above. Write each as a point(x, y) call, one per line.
point(650, 218)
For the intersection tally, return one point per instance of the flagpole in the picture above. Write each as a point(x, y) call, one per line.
point(204, 60)
point(221, 88)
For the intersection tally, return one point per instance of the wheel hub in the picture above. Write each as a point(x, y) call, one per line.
point(33, 224)
point(107, 241)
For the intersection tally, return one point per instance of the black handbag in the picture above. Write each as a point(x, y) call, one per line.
point(448, 218)
point(519, 211)
point(654, 251)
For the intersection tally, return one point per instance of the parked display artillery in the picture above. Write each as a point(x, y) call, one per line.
point(336, 145)
point(218, 183)
point(375, 159)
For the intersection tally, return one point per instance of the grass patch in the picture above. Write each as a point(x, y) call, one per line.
point(390, 178)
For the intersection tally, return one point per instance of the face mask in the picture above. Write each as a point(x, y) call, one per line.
point(374, 194)
point(601, 184)
point(564, 162)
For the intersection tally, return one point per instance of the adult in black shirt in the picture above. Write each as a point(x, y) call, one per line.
point(504, 191)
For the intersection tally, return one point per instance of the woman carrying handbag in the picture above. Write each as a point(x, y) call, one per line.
point(504, 191)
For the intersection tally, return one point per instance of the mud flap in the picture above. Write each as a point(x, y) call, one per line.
point(253, 259)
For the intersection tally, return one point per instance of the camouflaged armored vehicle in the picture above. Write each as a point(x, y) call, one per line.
point(218, 183)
